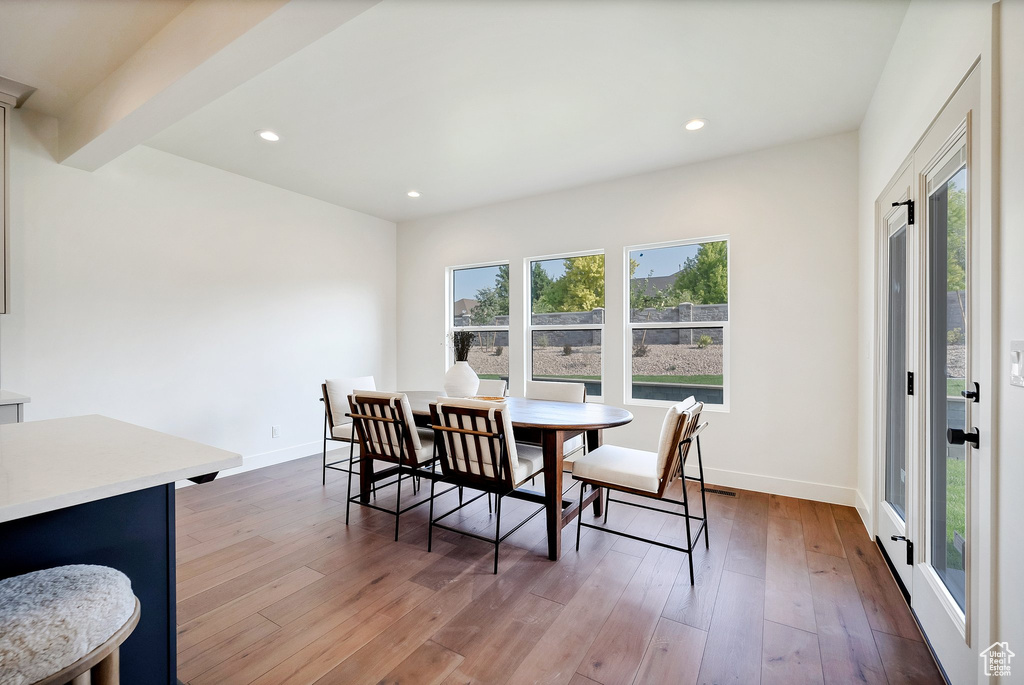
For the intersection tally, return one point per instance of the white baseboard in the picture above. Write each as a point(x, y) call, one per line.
point(259, 461)
point(819, 492)
point(864, 509)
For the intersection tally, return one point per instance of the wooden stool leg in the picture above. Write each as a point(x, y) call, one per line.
point(107, 672)
point(83, 679)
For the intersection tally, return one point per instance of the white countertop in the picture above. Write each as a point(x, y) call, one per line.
point(8, 397)
point(57, 463)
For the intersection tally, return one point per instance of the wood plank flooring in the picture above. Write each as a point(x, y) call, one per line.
point(274, 588)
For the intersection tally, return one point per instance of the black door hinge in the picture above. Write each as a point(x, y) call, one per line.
point(910, 210)
point(910, 382)
point(910, 547)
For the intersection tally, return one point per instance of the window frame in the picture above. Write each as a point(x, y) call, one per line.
point(529, 326)
point(629, 325)
point(449, 307)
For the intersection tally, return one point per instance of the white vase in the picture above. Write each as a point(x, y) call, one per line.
point(461, 381)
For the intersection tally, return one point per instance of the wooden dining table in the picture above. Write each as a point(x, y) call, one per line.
point(548, 424)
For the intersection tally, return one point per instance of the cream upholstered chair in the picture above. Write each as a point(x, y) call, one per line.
point(492, 387)
point(337, 424)
point(384, 426)
point(65, 625)
point(648, 474)
point(477, 450)
point(561, 392)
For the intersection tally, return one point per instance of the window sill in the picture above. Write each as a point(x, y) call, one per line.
point(664, 404)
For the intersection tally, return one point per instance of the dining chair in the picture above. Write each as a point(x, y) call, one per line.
point(492, 387)
point(337, 424)
point(648, 474)
point(386, 432)
point(477, 449)
point(561, 392)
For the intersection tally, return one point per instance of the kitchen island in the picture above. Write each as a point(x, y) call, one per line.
point(93, 490)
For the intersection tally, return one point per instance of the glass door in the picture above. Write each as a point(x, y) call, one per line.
point(954, 418)
point(948, 333)
point(896, 392)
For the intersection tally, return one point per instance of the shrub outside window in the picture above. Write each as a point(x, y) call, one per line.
point(677, 327)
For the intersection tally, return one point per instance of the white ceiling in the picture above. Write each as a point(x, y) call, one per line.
point(64, 48)
point(476, 102)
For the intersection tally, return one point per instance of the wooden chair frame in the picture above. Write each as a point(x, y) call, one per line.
point(672, 465)
point(102, 665)
point(375, 425)
point(502, 484)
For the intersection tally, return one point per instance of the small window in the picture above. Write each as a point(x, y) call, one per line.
point(480, 304)
point(678, 322)
point(567, 320)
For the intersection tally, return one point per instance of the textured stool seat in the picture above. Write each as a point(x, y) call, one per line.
point(53, 618)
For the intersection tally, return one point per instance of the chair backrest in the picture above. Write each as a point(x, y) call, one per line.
point(384, 423)
point(490, 387)
point(476, 440)
point(680, 425)
point(336, 392)
point(556, 392)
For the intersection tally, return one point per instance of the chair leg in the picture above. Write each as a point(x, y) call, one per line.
point(703, 497)
point(490, 509)
point(607, 506)
point(430, 516)
point(689, 542)
point(497, 536)
point(325, 455)
point(398, 503)
point(460, 495)
point(579, 518)
point(107, 672)
point(348, 493)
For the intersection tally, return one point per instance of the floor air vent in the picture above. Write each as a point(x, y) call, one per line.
point(716, 491)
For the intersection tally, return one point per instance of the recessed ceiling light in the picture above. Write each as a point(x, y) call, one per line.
point(695, 124)
point(268, 135)
point(413, 193)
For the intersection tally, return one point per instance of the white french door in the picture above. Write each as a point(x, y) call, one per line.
point(932, 416)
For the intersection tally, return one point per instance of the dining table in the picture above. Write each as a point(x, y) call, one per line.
point(548, 424)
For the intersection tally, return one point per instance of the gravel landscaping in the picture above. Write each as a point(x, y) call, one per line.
point(660, 360)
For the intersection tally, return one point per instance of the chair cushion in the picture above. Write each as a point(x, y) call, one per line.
point(426, 451)
point(342, 432)
point(531, 462)
point(53, 618)
point(636, 469)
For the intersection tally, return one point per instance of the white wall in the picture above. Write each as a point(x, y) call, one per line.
point(1009, 544)
point(188, 299)
point(791, 215)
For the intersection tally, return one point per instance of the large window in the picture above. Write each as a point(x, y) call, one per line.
point(567, 320)
point(678, 322)
point(479, 303)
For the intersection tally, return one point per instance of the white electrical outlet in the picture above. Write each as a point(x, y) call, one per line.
point(275, 431)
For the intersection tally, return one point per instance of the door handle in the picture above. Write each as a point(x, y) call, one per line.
point(910, 547)
point(955, 436)
point(974, 395)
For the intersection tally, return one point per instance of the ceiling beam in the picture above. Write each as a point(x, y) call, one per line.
point(206, 51)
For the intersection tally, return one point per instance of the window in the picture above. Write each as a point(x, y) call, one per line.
point(479, 303)
point(567, 320)
point(678, 322)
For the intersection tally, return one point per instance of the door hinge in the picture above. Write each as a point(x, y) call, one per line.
point(910, 547)
point(910, 210)
point(910, 382)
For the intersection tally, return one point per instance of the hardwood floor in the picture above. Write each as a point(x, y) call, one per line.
point(274, 588)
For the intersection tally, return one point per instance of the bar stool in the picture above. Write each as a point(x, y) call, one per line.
point(65, 625)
